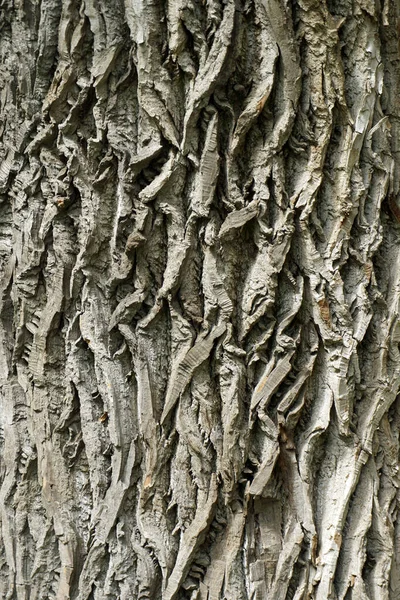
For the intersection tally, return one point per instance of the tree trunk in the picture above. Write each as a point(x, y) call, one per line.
point(199, 308)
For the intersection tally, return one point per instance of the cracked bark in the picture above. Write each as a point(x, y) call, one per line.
point(199, 300)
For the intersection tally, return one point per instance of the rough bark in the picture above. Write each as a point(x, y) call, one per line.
point(199, 307)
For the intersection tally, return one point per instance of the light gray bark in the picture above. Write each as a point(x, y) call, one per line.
point(199, 307)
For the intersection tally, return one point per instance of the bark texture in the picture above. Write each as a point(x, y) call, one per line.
point(199, 299)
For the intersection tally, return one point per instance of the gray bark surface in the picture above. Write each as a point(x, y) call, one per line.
point(199, 299)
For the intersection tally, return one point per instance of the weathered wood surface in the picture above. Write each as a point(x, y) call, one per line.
point(199, 299)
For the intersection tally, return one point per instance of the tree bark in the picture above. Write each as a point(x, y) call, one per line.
point(199, 299)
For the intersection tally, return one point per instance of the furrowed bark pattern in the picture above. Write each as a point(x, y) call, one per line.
point(199, 309)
